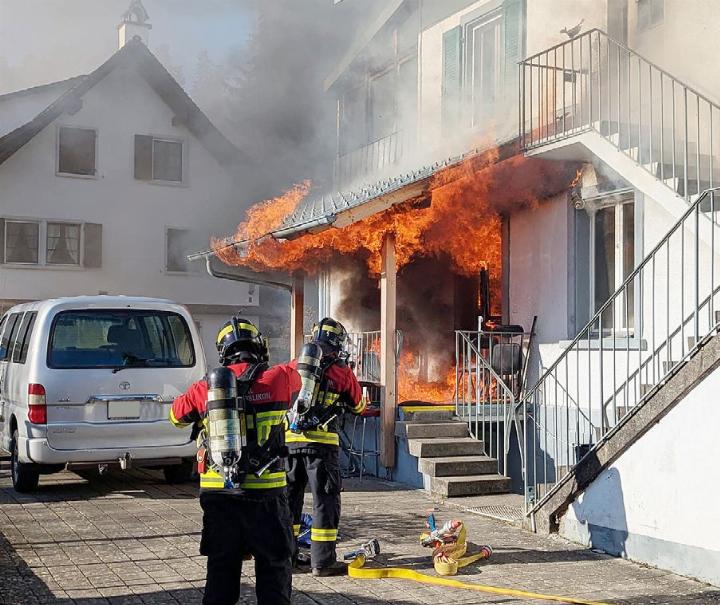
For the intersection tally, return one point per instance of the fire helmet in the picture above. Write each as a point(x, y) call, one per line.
point(238, 340)
point(330, 335)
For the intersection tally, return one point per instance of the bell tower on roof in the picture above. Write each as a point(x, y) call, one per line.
point(134, 23)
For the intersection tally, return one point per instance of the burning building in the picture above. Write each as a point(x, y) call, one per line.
point(598, 216)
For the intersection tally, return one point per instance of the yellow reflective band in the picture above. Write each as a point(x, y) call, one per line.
point(228, 329)
point(211, 479)
point(312, 437)
point(332, 329)
point(323, 535)
point(277, 414)
point(175, 421)
point(267, 481)
point(296, 530)
point(223, 333)
point(248, 327)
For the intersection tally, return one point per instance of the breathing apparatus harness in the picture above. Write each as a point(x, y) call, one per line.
point(309, 411)
point(223, 441)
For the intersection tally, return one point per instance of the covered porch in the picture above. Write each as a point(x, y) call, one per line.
point(469, 366)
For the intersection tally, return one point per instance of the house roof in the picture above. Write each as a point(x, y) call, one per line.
point(515, 178)
point(134, 54)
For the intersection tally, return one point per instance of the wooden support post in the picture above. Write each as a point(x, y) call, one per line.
point(388, 362)
point(297, 313)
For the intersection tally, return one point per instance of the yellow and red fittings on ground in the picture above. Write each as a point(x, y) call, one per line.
point(449, 544)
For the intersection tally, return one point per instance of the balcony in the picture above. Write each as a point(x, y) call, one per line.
point(370, 161)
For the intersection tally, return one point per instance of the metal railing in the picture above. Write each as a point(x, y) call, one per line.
point(368, 159)
point(594, 83)
point(664, 310)
point(489, 374)
point(365, 351)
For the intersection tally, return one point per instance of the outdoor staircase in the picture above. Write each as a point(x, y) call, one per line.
point(596, 93)
point(593, 99)
point(452, 462)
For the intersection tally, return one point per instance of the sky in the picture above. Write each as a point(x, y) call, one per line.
point(48, 40)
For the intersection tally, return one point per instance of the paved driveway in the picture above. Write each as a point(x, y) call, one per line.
point(127, 538)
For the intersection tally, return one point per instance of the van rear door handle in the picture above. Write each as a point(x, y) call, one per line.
point(143, 397)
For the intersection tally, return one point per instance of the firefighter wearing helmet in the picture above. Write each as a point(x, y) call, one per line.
point(328, 387)
point(240, 410)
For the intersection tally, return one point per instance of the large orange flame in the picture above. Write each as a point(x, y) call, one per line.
point(457, 218)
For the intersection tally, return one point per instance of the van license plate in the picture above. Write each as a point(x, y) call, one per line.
point(123, 410)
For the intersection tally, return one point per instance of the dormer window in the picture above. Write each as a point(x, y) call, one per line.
point(159, 159)
point(76, 151)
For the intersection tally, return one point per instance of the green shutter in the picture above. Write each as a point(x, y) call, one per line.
point(451, 79)
point(92, 247)
point(2, 240)
point(143, 157)
point(514, 17)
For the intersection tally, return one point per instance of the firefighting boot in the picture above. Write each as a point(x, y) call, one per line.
point(336, 569)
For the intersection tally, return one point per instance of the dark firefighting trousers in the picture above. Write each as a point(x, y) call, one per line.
point(319, 467)
point(235, 526)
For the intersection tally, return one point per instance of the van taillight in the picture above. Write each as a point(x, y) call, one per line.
point(37, 404)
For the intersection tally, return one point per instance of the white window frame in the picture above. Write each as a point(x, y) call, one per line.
point(496, 15)
point(57, 152)
point(166, 259)
point(40, 241)
point(617, 199)
point(81, 242)
point(42, 244)
point(184, 149)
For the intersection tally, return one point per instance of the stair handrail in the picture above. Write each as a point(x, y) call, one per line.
point(507, 399)
point(614, 92)
point(626, 48)
point(528, 403)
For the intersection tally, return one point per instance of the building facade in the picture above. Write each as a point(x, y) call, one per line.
point(108, 181)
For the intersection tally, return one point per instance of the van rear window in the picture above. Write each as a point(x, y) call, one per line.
point(120, 338)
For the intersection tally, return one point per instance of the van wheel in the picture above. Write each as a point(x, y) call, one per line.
point(25, 477)
point(180, 473)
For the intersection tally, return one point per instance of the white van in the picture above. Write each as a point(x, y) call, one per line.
point(89, 381)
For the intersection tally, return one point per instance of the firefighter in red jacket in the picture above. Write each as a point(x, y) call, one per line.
point(243, 498)
point(313, 450)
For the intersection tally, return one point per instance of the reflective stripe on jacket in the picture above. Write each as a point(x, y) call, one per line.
point(339, 386)
point(268, 401)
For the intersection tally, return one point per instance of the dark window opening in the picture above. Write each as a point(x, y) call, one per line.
point(76, 153)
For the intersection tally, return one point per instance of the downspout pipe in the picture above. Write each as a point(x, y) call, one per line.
point(251, 277)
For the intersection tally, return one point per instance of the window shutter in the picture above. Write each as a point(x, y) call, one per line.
point(514, 17)
point(451, 79)
point(143, 157)
point(92, 237)
point(2, 241)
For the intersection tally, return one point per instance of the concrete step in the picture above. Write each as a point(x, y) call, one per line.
point(428, 416)
point(469, 485)
point(430, 430)
point(439, 447)
point(458, 466)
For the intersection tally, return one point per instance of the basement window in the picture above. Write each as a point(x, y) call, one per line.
point(76, 151)
point(158, 159)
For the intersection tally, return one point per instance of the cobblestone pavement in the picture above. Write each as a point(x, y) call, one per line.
point(131, 539)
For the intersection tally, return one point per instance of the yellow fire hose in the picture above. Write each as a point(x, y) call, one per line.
point(447, 559)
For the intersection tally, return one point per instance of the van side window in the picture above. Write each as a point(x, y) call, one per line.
point(23, 340)
point(9, 334)
point(3, 321)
